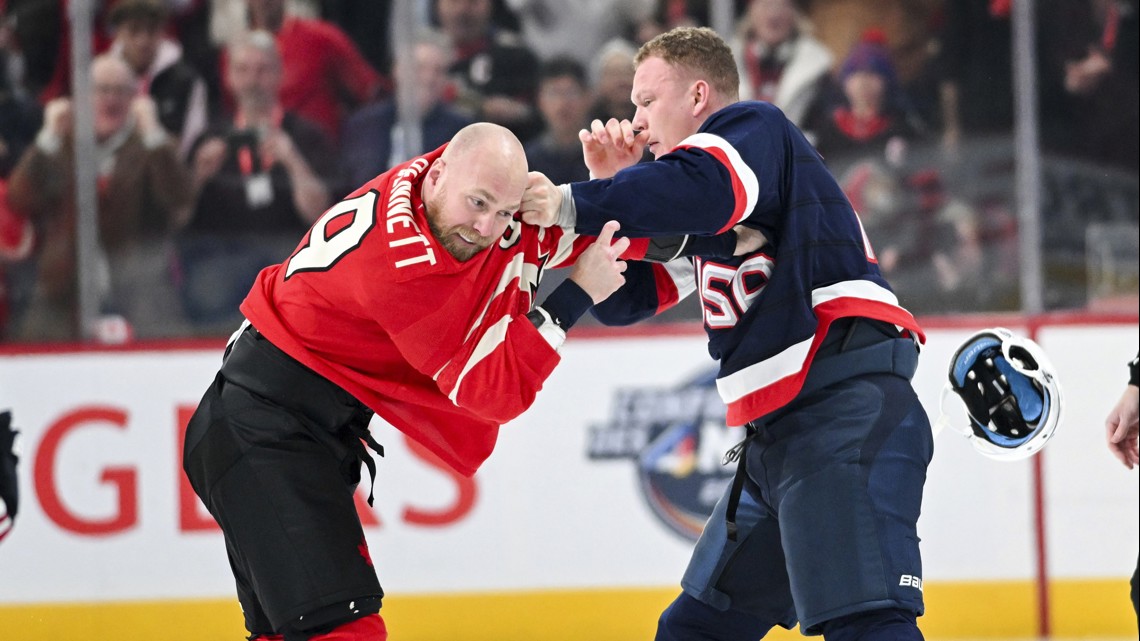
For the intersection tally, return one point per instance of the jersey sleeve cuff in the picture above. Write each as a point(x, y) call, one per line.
point(567, 303)
point(567, 213)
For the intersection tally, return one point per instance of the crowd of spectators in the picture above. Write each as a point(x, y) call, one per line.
point(225, 127)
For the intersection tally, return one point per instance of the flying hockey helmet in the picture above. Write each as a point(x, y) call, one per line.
point(1011, 393)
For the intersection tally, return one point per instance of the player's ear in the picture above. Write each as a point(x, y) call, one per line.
point(699, 94)
point(434, 170)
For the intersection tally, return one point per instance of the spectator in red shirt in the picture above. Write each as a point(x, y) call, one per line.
point(324, 74)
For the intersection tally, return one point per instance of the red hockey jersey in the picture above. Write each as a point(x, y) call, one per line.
point(441, 349)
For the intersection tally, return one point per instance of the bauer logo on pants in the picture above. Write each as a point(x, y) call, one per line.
point(677, 437)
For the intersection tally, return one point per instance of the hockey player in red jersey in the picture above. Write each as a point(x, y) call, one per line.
point(410, 299)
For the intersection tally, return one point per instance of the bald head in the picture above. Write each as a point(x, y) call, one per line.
point(474, 188)
point(111, 69)
point(113, 85)
point(490, 143)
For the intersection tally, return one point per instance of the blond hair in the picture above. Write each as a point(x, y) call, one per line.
point(700, 52)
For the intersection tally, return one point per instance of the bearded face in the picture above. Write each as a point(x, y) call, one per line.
point(472, 191)
point(462, 241)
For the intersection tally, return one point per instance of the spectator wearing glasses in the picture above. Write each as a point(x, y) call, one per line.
point(143, 195)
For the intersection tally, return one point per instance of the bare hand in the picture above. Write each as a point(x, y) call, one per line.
point(146, 114)
point(748, 240)
point(608, 148)
point(541, 201)
point(208, 159)
point(279, 146)
point(598, 270)
point(1122, 428)
point(57, 117)
point(1086, 74)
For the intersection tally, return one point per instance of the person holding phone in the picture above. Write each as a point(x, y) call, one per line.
point(261, 179)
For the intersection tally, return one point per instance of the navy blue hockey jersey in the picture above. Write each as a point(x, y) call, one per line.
point(766, 313)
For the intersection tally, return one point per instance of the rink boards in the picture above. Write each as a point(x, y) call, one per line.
point(560, 535)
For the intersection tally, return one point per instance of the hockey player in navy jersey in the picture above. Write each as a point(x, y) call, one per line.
point(815, 352)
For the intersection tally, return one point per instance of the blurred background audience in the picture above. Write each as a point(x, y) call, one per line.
point(611, 74)
point(1089, 71)
point(144, 192)
point(780, 62)
point(373, 139)
point(250, 117)
point(866, 112)
point(563, 100)
point(139, 28)
point(323, 74)
point(495, 71)
point(578, 30)
point(976, 59)
point(260, 179)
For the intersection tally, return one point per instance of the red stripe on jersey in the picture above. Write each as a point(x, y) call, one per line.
point(779, 393)
point(739, 195)
point(636, 250)
point(667, 295)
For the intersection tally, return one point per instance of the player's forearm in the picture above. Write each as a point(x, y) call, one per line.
point(649, 290)
point(662, 198)
point(504, 384)
point(662, 249)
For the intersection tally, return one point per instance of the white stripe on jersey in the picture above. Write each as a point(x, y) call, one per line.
point(737, 167)
point(790, 361)
point(564, 250)
point(684, 276)
point(739, 384)
point(853, 289)
point(526, 273)
point(492, 338)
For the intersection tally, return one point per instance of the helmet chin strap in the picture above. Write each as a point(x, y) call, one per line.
point(944, 420)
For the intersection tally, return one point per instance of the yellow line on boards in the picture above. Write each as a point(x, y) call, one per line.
point(975, 610)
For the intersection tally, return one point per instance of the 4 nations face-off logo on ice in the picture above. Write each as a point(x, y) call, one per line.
point(677, 438)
